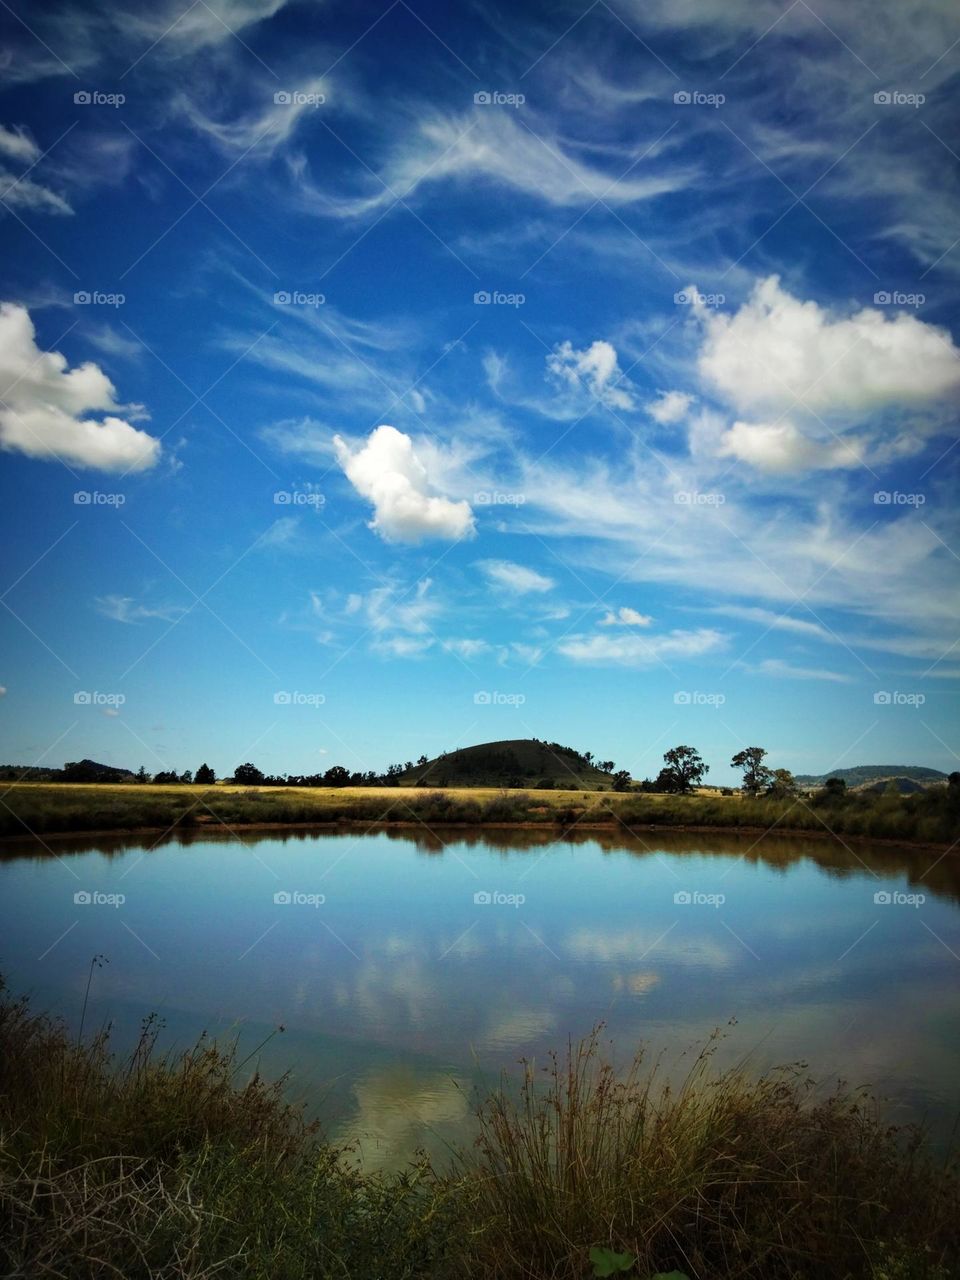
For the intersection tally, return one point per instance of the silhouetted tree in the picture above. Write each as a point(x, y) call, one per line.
point(783, 785)
point(621, 779)
point(247, 775)
point(756, 776)
point(205, 776)
point(684, 769)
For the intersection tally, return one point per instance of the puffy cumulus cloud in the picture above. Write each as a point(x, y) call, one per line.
point(631, 650)
point(516, 577)
point(389, 474)
point(669, 407)
point(42, 400)
point(781, 448)
point(594, 369)
point(625, 617)
point(778, 350)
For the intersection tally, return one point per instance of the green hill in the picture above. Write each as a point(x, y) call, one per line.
point(864, 773)
point(513, 762)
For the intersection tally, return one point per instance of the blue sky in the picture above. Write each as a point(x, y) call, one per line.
point(383, 379)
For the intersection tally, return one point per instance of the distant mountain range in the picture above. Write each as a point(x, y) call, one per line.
point(876, 776)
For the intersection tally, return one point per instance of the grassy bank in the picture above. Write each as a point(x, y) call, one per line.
point(931, 816)
point(195, 1167)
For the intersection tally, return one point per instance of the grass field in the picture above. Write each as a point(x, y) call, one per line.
point(42, 809)
point(932, 816)
point(194, 1166)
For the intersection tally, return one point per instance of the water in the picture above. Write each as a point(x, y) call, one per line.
point(400, 991)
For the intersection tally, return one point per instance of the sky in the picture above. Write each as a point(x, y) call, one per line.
point(380, 379)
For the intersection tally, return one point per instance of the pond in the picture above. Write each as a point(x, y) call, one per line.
point(408, 966)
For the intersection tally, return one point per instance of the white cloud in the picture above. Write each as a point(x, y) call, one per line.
point(669, 407)
point(42, 399)
point(780, 448)
point(594, 368)
point(488, 146)
point(22, 193)
point(126, 609)
point(399, 618)
point(516, 577)
point(774, 621)
point(625, 617)
point(787, 671)
point(388, 472)
point(627, 649)
point(265, 129)
point(280, 534)
point(778, 349)
point(467, 647)
point(18, 145)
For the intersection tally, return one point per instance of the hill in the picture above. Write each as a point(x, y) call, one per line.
point(864, 773)
point(511, 762)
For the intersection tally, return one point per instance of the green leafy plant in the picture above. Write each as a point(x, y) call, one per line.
point(606, 1262)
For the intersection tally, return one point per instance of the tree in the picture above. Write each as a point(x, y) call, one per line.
point(606, 766)
point(756, 776)
point(336, 776)
point(621, 779)
point(186, 776)
point(835, 789)
point(783, 785)
point(684, 769)
point(205, 776)
point(142, 775)
point(247, 775)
